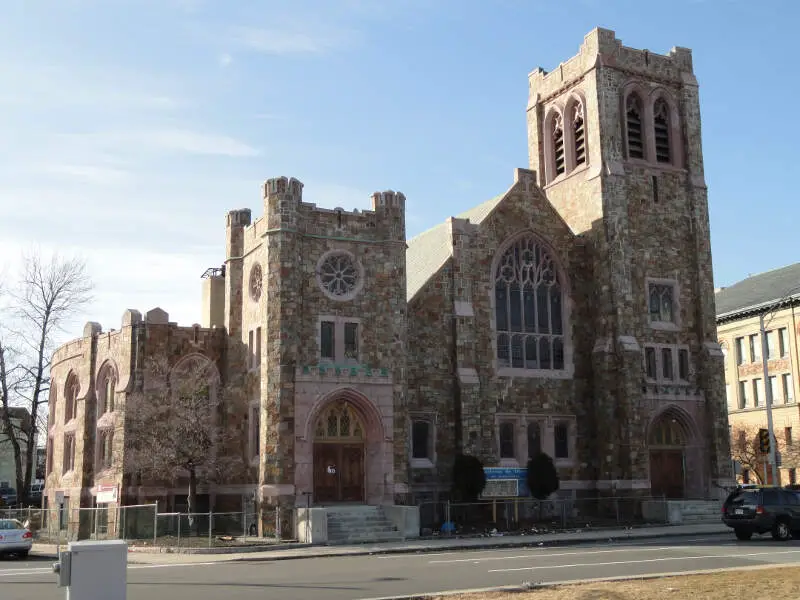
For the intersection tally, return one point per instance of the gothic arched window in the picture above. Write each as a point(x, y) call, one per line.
point(558, 145)
point(71, 398)
point(661, 130)
point(579, 133)
point(633, 123)
point(529, 307)
point(106, 390)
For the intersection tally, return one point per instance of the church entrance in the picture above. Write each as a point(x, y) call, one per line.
point(667, 458)
point(339, 455)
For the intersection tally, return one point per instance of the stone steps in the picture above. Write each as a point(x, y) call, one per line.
point(360, 524)
point(701, 512)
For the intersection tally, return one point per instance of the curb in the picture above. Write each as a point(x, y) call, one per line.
point(346, 551)
point(486, 546)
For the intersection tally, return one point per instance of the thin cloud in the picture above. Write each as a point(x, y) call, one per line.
point(90, 174)
point(166, 140)
point(280, 41)
point(225, 60)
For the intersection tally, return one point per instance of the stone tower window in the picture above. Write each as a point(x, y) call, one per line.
point(71, 398)
point(529, 312)
point(579, 134)
point(661, 130)
point(633, 123)
point(558, 145)
point(106, 390)
point(339, 275)
point(256, 282)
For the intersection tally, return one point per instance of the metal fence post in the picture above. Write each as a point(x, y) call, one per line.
point(210, 527)
point(155, 525)
point(450, 526)
point(277, 522)
point(179, 530)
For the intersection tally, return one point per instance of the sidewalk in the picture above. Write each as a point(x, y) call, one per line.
point(300, 551)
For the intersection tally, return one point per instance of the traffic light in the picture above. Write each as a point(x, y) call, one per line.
point(763, 440)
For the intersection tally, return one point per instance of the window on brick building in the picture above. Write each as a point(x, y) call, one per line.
point(558, 145)
point(534, 439)
point(743, 394)
point(633, 122)
point(529, 307)
point(770, 335)
point(755, 348)
point(107, 382)
point(69, 453)
point(661, 127)
point(783, 342)
point(254, 423)
point(561, 435)
point(774, 391)
point(507, 440)
point(667, 371)
point(683, 364)
point(661, 302)
point(650, 365)
point(50, 443)
point(739, 351)
point(420, 439)
point(339, 340)
point(757, 392)
point(579, 133)
point(351, 341)
point(788, 388)
point(105, 449)
point(71, 398)
point(423, 440)
point(328, 340)
point(257, 364)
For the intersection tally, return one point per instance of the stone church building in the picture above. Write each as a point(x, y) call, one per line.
point(572, 314)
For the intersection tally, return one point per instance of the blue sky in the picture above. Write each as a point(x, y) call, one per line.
point(129, 127)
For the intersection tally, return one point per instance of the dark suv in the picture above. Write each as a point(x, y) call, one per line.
point(763, 509)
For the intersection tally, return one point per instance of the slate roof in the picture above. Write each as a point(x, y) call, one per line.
point(757, 290)
point(429, 251)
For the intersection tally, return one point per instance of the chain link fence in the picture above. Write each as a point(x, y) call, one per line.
point(143, 525)
point(530, 516)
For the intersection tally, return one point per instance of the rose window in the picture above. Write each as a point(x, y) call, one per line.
point(339, 275)
point(256, 282)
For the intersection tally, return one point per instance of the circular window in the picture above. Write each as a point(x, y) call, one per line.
point(339, 275)
point(256, 282)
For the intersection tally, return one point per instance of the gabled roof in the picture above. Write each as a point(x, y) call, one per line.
point(758, 291)
point(429, 251)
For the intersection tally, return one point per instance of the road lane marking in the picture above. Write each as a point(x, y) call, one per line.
point(39, 571)
point(644, 560)
point(544, 553)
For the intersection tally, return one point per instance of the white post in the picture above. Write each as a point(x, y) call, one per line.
point(768, 396)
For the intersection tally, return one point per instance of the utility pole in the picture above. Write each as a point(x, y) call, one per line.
point(770, 311)
point(768, 395)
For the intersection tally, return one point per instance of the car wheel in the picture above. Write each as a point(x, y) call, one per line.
point(743, 534)
point(781, 531)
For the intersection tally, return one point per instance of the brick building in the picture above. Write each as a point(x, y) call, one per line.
point(776, 295)
point(572, 314)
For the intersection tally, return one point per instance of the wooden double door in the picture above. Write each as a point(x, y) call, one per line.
point(667, 473)
point(338, 472)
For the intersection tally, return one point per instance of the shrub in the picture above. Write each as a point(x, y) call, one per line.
point(542, 477)
point(469, 480)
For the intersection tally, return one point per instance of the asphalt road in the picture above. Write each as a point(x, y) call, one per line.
point(370, 577)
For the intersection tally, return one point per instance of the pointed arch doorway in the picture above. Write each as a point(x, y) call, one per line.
point(667, 442)
point(339, 437)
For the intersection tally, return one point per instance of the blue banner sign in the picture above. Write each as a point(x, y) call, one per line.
point(517, 473)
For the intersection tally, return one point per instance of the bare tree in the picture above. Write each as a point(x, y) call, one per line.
point(48, 294)
point(176, 427)
point(745, 450)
